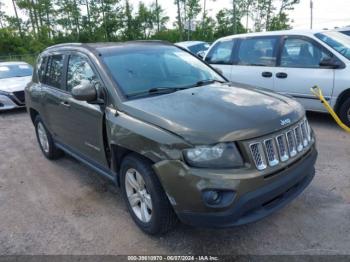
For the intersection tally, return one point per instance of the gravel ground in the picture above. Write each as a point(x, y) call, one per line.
point(62, 207)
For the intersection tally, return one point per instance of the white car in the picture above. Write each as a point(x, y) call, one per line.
point(14, 76)
point(344, 30)
point(195, 47)
point(289, 62)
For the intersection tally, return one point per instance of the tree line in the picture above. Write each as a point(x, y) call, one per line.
point(36, 24)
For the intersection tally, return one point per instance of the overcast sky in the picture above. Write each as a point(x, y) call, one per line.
point(327, 13)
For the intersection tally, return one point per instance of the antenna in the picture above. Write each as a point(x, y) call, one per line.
point(311, 13)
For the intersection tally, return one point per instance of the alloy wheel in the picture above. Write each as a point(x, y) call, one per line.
point(44, 142)
point(139, 198)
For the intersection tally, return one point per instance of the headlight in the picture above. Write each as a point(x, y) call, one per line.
point(223, 155)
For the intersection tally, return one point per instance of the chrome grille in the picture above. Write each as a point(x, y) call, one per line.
point(298, 139)
point(281, 147)
point(258, 155)
point(271, 152)
point(291, 143)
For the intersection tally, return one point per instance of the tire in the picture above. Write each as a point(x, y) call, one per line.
point(48, 147)
point(161, 217)
point(344, 112)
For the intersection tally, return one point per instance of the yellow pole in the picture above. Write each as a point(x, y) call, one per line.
point(318, 93)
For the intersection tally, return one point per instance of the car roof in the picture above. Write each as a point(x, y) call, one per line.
point(13, 63)
point(276, 33)
point(97, 47)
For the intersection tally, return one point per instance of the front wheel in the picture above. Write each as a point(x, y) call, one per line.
point(344, 112)
point(145, 197)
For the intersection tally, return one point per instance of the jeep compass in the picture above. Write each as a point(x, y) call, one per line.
point(180, 141)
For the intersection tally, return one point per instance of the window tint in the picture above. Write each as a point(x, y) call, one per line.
point(302, 53)
point(54, 71)
point(346, 32)
point(257, 52)
point(221, 53)
point(79, 70)
point(41, 66)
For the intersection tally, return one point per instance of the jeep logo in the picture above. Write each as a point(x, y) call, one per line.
point(285, 122)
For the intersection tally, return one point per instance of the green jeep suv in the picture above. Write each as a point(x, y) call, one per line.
point(180, 141)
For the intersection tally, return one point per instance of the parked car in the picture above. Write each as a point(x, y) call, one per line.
point(290, 62)
point(14, 76)
point(195, 47)
point(176, 136)
point(344, 30)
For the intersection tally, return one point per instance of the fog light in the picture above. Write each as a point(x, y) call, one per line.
point(212, 197)
point(218, 198)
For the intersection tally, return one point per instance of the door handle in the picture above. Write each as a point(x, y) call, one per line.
point(266, 74)
point(65, 104)
point(281, 75)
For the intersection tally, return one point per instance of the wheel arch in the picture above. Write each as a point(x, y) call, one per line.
point(33, 114)
point(118, 153)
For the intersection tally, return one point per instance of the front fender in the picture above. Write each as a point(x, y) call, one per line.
point(143, 138)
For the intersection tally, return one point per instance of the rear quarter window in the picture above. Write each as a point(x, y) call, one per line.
point(54, 71)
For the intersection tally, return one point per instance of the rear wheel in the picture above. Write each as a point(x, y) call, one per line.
point(45, 140)
point(344, 112)
point(145, 197)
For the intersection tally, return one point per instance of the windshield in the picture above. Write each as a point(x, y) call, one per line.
point(21, 70)
point(142, 69)
point(339, 42)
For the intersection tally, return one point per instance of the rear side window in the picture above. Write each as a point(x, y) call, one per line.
point(346, 32)
point(257, 51)
point(221, 53)
point(301, 53)
point(54, 72)
point(41, 66)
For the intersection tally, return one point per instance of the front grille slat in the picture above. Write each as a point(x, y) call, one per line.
point(298, 139)
point(271, 152)
point(280, 148)
point(291, 143)
point(258, 156)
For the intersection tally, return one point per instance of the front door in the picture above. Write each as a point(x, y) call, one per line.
point(220, 57)
point(299, 70)
point(83, 122)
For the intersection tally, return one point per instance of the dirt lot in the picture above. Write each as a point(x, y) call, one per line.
point(62, 207)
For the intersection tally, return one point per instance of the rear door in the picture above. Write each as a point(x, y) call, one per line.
point(255, 61)
point(54, 95)
point(220, 56)
point(299, 69)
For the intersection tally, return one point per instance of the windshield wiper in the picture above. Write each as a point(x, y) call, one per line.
point(156, 91)
point(207, 82)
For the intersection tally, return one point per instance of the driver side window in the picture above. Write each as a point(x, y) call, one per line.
point(79, 70)
point(301, 53)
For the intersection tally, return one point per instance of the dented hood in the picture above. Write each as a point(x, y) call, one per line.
point(217, 112)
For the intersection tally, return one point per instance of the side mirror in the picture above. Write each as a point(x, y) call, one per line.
point(201, 54)
point(333, 63)
point(86, 91)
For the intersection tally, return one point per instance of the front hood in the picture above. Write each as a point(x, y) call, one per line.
point(217, 113)
point(14, 84)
